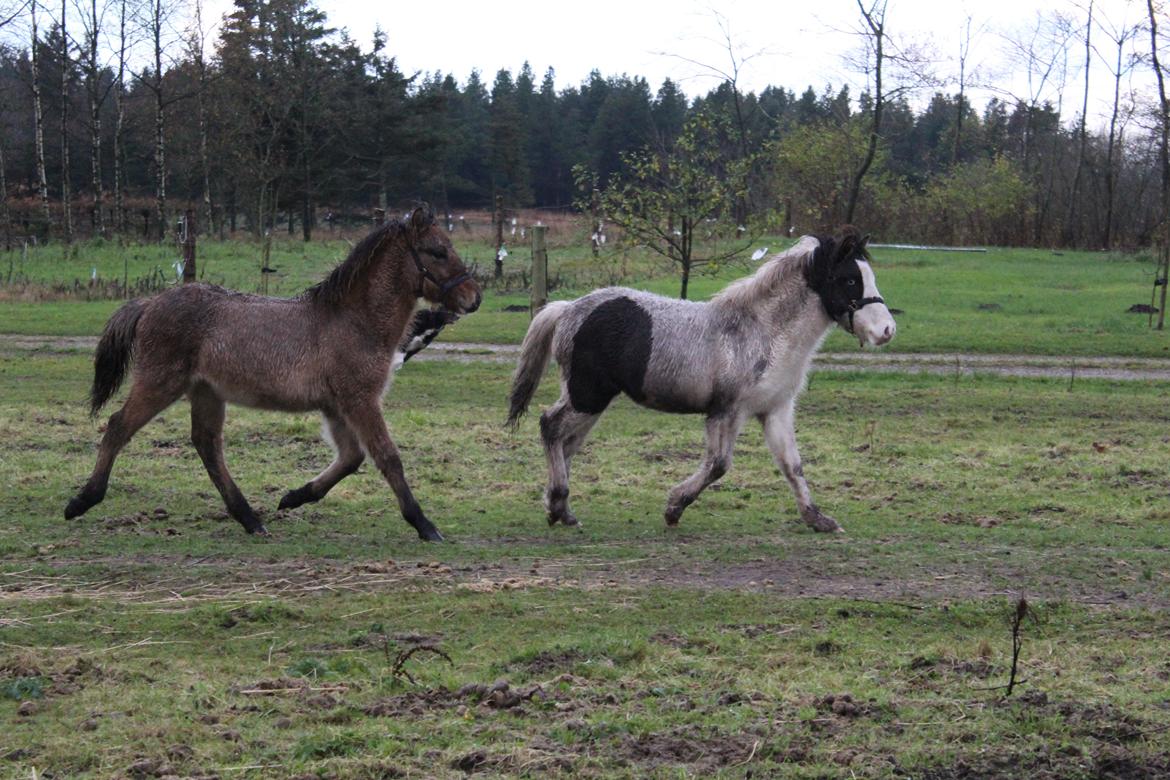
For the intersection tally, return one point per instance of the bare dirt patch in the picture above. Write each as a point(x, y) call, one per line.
point(832, 568)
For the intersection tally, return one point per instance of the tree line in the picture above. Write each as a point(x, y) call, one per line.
point(114, 114)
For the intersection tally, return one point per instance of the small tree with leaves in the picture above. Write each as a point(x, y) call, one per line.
point(666, 200)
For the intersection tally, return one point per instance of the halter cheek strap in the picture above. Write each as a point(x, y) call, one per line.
point(444, 287)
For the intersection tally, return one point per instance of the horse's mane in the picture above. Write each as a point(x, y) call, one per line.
point(794, 263)
point(342, 278)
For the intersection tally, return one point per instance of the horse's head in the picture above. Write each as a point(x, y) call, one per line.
point(843, 278)
point(443, 278)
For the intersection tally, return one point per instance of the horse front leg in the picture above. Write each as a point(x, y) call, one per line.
point(366, 421)
point(349, 457)
point(722, 431)
point(780, 434)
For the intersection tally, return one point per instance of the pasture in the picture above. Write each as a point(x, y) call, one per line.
point(1018, 301)
point(153, 638)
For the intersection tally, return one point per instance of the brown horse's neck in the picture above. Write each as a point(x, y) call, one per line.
point(391, 292)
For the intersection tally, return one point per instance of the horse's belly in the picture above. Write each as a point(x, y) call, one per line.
point(676, 402)
point(286, 398)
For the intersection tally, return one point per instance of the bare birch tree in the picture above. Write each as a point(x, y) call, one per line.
point(1121, 36)
point(884, 61)
point(66, 189)
point(197, 52)
point(156, 23)
point(38, 117)
point(120, 119)
point(92, 17)
point(1163, 158)
point(1082, 135)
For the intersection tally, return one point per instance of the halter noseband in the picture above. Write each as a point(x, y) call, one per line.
point(444, 287)
point(858, 305)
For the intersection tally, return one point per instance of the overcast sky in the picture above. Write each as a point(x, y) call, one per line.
point(790, 43)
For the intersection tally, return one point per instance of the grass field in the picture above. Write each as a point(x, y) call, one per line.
point(1004, 300)
point(153, 638)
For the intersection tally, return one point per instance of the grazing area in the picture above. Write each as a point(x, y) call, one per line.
point(1023, 301)
point(153, 638)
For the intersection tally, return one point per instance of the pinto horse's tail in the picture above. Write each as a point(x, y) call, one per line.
point(114, 352)
point(534, 355)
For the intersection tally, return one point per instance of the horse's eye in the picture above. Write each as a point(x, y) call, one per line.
point(851, 282)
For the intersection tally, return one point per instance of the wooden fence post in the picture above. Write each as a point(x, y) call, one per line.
point(539, 270)
point(187, 242)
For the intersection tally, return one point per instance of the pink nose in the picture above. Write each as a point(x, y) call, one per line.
point(887, 334)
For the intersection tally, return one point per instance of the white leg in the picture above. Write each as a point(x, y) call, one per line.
point(780, 435)
point(721, 434)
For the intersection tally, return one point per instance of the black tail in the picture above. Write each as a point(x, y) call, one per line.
point(114, 352)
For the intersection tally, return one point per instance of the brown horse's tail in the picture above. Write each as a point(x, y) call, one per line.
point(534, 355)
point(114, 352)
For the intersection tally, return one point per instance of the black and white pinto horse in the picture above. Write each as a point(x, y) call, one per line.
point(743, 354)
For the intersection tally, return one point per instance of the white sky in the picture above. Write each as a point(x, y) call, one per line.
point(789, 43)
point(798, 42)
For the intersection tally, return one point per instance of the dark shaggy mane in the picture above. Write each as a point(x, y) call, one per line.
point(333, 288)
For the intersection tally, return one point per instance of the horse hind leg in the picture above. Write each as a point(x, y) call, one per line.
point(721, 434)
point(349, 457)
point(207, 416)
point(562, 431)
point(145, 400)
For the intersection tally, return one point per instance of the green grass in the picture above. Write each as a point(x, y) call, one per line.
point(1004, 300)
point(155, 630)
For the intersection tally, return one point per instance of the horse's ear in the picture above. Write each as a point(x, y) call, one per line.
point(421, 219)
point(850, 243)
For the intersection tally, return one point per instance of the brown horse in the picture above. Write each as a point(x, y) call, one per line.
point(329, 349)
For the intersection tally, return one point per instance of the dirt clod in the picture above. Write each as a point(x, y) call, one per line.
point(470, 762)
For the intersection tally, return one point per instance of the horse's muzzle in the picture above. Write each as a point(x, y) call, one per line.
point(461, 301)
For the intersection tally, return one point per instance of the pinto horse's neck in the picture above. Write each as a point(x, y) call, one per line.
point(779, 298)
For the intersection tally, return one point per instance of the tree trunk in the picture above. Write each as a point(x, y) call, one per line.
point(39, 122)
point(1163, 158)
point(160, 150)
point(93, 87)
point(1070, 219)
point(1110, 159)
point(66, 195)
point(204, 158)
point(877, 29)
point(5, 217)
point(119, 125)
point(685, 255)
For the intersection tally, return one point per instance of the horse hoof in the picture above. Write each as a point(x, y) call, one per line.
point(568, 519)
point(431, 535)
point(294, 498)
point(821, 523)
point(76, 508)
